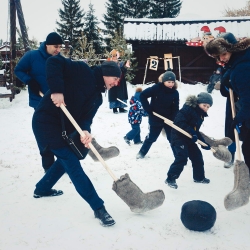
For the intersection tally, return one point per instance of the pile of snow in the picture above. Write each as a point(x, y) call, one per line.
point(67, 222)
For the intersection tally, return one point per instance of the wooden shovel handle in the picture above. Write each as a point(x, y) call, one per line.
point(170, 123)
point(77, 127)
point(236, 135)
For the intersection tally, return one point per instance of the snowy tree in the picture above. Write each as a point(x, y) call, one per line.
point(113, 19)
point(70, 24)
point(165, 8)
point(136, 8)
point(245, 11)
point(92, 31)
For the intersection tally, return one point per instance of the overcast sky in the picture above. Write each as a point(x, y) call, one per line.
point(40, 15)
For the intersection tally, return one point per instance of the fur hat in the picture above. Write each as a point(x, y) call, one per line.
point(168, 76)
point(198, 215)
point(53, 39)
point(110, 68)
point(204, 97)
point(221, 45)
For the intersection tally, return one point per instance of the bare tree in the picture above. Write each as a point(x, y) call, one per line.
point(245, 11)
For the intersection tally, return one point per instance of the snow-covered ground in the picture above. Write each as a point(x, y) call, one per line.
point(67, 222)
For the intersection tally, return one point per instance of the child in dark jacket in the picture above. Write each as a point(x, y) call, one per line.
point(189, 118)
point(135, 114)
point(164, 101)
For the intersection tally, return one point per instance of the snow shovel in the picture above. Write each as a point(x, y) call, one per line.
point(127, 190)
point(239, 196)
point(220, 152)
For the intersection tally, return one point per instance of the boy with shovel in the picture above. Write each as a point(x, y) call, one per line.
point(189, 118)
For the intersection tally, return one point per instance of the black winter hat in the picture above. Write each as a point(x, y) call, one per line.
point(229, 37)
point(168, 76)
point(53, 39)
point(110, 68)
point(198, 215)
point(204, 97)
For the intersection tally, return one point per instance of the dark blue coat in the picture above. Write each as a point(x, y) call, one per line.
point(189, 118)
point(81, 87)
point(164, 101)
point(239, 64)
point(32, 66)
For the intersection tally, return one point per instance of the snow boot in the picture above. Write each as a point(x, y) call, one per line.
point(122, 110)
point(126, 140)
point(226, 141)
point(106, 153)
point(204, 181)
point(105, 219)
point(140, 155)
point(171, 182)
point(115, 111)
point(52, 192)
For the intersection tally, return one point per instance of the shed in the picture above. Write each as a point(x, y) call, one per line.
point(156, 37)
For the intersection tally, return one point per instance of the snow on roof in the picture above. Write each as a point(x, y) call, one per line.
point(163, 29)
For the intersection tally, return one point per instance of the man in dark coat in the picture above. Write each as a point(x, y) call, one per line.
point(31, 71)
point(215, 78)
point(75, 84)
point(237, 59)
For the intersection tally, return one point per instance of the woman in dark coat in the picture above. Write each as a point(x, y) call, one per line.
point(165, 102)
point(76, 85)
point(236, 57)
point(120, 91)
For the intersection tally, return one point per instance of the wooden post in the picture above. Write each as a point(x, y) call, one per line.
point(12, 40)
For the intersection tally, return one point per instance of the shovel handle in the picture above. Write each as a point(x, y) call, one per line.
point(236, 135)
point(122, 101)
point(79, 130)
point(171, 124)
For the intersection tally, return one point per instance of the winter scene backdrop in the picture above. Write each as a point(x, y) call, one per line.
point(67, 222)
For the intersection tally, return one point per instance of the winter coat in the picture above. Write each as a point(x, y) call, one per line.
point(81, 87)
point(136, 110)
point(189, 118)
point(239, 75)
point(120, 91)
point(164, 101)
point(32, 66)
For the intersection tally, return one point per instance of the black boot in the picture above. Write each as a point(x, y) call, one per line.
point(52, 192)
point(122, 110)
point(105, 219)
point(115, 111)
point(171, 182)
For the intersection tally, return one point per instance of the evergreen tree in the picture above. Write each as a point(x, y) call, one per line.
point(136, 8)
point(92, 31)
point(70, 24)
point(113, 19)
point(165, 8)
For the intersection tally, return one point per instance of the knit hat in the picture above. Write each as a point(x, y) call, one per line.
point(204, 97)
point(229, 37)
point(198, 215)
point(53, 39)
point(110, 68)
point(168, 76)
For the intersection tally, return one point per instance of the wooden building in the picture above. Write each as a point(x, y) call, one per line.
point(156, 37)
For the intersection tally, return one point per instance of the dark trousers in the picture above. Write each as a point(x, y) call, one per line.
point(182, 153)
point(68, 162)
point(246, 148)
point(154, 132)
point(135, 133)
point(47, 158)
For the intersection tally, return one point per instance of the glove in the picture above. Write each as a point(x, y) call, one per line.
point(236, 125)
point(34, 86)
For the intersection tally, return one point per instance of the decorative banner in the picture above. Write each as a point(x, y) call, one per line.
point(154, 63)
point(168, 61)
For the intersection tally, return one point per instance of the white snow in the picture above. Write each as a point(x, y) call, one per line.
point(67, 222)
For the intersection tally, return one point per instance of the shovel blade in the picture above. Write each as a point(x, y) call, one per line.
point(239, 196)
point(131, 194)
point(222, 153)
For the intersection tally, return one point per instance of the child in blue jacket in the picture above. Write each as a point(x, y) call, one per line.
point(135, 114)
